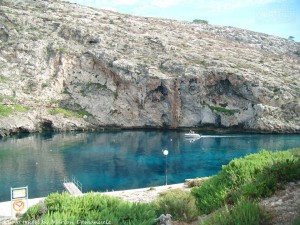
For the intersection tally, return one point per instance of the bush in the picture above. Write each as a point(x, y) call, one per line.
point(297, 219)
point(68, 113)
point(244, 213)
point(297, 53)
point(195, 182)
point(271, 179)
point(256, 174)
point(179, 203)
point(200, 21)
point(92, 207)
point(34, 212)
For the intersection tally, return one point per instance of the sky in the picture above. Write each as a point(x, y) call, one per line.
point(275, 17)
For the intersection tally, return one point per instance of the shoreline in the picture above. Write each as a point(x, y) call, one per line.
point(144, 194)
point(208, 130)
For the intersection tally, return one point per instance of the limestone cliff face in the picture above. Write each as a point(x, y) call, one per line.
point(67, 67)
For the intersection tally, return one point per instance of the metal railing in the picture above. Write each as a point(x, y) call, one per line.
point(73, 180)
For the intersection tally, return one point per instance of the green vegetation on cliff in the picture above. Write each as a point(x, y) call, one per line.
point(9, 105)
point(8, 110)
point(68, 113)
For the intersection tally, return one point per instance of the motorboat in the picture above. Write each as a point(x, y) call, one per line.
point(192, 134)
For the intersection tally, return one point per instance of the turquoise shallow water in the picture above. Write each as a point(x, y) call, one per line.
point(116, 160)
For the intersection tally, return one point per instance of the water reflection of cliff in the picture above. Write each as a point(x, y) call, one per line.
point(125, 159)
point(34, 160)
point(120, 159)
point(134, 159)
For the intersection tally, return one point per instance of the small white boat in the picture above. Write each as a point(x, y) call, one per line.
point(192, 134)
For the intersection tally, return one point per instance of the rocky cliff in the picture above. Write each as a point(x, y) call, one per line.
point(69, 67)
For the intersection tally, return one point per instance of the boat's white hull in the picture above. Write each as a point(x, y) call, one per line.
point(192, 135)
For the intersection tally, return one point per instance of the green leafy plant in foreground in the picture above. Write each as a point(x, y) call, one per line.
point(91, 207)
point(269, 180)
point(241, 175)
point(179, 203)
point(35, 212)
point(245, 212)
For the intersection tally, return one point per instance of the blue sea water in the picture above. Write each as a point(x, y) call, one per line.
point(118, 160)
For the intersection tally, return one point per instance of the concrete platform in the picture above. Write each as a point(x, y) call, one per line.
point(72, 188)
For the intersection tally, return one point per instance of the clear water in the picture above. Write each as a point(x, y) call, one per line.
point(116, 160)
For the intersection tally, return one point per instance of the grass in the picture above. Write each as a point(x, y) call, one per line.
point(3, 78)
point(245, 212)
point(229, 112)
point(69, 113)
point(90, 87)
point(179, 203)
point(96, 85)
point(9, 110)
point(61, 49)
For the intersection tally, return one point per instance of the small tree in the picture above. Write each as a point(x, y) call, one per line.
point(291, 38)
point(200, 21)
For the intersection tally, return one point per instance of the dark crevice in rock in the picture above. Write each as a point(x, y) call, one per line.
point(158, 94)
point(46, 125)
point(3, 35)
point(166, 122)
point(93, 41)
point(22, 130)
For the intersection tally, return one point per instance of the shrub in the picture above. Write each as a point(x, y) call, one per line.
point(297, 53)
point(244, 213)
point(223, 110)
point(297, 219)
point(195, 182)
point(243, 176)
point(179, 203)
point(211, 195)
point(271, 179)
point(200, 21)
point(92, 207)
point(34, 212)
point(68, 113)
